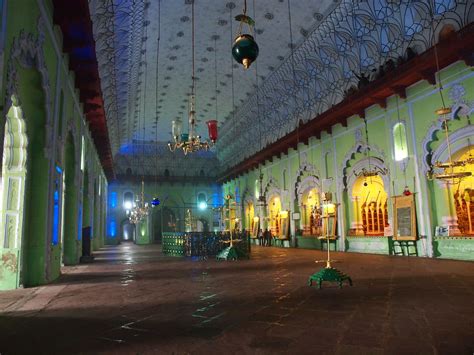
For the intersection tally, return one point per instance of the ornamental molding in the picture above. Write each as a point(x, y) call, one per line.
point(362, 148)
point(271, 189)
point(308, 183)
point(368, 163)
point(460, 107)
point(27, 52)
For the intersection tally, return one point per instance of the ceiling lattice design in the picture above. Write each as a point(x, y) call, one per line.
point(336, 43)
point(358, 39)
point(126, 33)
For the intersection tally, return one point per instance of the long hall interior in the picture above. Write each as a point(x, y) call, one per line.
point(247, 176)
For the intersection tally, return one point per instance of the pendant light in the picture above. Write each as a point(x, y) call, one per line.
point(245, 49)
point(191, 142)
point(444, 113)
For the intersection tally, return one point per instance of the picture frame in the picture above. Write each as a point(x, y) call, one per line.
point(404, 218)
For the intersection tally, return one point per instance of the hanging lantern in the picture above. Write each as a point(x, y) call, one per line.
point(212, 127)
point(245, 49)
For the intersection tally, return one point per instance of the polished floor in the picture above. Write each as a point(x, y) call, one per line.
point(134, 300)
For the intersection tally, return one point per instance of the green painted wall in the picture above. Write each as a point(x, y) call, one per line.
point(38, 261)
point(71, 243)
point(334, 157)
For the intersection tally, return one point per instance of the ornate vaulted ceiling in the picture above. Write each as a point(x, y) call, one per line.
point(337, 44)
point(126, 34)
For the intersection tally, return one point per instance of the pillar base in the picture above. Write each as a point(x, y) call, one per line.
point(452, 224)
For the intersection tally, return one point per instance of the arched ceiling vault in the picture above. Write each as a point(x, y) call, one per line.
point(126, 34)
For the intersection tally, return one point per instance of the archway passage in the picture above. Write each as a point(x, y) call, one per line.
point(12, 193)
point(70, 249)
point(128, 231)
point(370, 204)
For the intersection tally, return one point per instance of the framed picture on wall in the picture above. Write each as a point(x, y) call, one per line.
point(404, 218)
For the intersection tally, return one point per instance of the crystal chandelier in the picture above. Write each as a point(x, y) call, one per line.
point(140, 209)
point(191, 142)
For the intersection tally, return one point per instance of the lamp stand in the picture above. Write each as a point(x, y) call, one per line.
point(329, 273)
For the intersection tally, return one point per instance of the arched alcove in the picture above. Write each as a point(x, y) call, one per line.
point(15, 154)
point(308, 190)
point(367, 186)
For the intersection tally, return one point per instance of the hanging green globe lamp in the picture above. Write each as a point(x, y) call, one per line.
point(245, 49)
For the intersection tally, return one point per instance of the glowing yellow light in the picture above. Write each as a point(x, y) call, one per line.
point(329, 208)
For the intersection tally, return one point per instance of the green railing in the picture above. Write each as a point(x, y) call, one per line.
point(203, 244)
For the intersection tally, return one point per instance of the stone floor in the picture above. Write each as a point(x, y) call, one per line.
point(135, 300)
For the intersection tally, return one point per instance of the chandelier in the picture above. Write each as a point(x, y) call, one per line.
point(439, 170)
point(448, 172)
point(140, 209)
point(371, 171)
point(191, 142)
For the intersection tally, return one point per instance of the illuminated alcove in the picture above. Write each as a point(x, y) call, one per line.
point(274, 215)
point(370, 204)
point(464, 192)
point(311, 216)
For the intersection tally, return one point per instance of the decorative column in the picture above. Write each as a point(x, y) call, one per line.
point(357, 228)
point(451, 221)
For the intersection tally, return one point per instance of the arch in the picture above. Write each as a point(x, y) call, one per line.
point(27, 52)
point(305, 188)
point(458, 140)
point(308, 183)
point(13, 177)
point(271, 189)
point(362, 148)
point(375, 163)
point(370, 204)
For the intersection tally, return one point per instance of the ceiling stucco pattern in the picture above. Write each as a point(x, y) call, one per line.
point(126, 33)
point(334, 42)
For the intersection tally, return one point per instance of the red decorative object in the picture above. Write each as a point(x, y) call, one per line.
point(406, 192)
point(212, 126)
